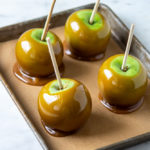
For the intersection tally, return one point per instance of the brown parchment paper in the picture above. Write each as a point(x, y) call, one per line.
point(103, 127)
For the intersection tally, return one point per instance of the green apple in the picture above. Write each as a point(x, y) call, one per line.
point(37, 34)
point(67, 84)
point(133, 66)
point(85, 17)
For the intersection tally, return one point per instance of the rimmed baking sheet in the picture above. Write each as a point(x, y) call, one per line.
point(103, 127)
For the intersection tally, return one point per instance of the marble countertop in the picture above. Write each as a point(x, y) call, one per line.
point(14, 131)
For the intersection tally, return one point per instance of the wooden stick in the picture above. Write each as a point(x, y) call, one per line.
point(53, 58)
point(46, 26)
point(127, 48)
point(94, 11)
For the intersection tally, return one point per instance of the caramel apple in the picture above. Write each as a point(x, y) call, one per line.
point(33, 59)
point(122, 91)
point(84, 40)
point(66, 110)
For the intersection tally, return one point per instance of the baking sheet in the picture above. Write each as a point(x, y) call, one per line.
point(119, 34)
point(103, 127)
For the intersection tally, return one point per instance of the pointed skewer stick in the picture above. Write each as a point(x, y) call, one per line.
point(53, 58)
point(46, 26)
point(123, 67)
point(94, 11)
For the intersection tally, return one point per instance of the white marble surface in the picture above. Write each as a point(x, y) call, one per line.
point(14, 132)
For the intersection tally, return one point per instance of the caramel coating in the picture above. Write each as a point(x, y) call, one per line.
point(33, 56)
point(84, 42)
point(121, 92)
point(66, 110)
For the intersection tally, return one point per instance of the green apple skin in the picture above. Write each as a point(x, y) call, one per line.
point(64, 110)
point(122, 90)
point(84, 39)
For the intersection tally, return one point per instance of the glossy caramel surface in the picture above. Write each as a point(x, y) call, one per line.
point(84, 42)
point(33, 56)
point(66, 110)
point(121, 92)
